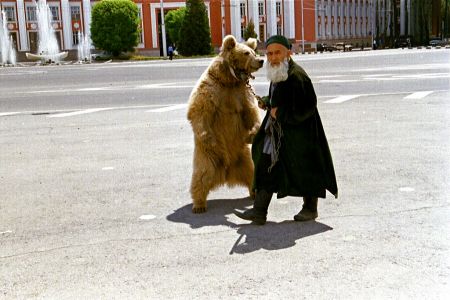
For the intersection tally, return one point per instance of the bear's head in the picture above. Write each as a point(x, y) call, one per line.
point(241, 57)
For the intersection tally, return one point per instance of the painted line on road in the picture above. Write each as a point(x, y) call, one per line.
point(80, 112)
point(9, 113)
point(341, 99)
point(65, 111)
point(172, 85)
point(168, 108)
point(418, 95)
point(147, 217)
point(336, 80)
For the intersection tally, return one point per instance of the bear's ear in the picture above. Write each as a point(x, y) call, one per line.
point(252, 43)
point(229, 42)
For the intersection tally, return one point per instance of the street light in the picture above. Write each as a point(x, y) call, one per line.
point(303, 33)
point(372, 18)
point(163, 30)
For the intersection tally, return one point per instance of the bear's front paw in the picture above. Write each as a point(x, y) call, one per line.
point(198, 209)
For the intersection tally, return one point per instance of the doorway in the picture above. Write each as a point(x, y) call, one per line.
point(33, 41)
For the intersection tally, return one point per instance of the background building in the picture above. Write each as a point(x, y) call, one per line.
point(304, 22)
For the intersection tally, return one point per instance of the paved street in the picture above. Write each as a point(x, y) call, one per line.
point(95, 167)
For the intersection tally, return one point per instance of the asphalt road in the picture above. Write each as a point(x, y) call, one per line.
point(95, 167)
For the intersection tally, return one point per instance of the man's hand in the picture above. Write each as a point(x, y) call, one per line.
point(273, 112)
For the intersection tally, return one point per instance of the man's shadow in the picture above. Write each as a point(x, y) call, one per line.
point(271, 236)
point(274, 236)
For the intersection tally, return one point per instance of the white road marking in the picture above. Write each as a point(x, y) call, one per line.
point(337, 80)
point(406, 189)
point(65, 111)
point(9, 113)
point(424, 75)
point(5, 232)
point(107, 168)
point(418, 95)
point(169, 108)
point(80, 112)
point(327, 76)
point(172, 85)
point(341, 99)
point(147, 217)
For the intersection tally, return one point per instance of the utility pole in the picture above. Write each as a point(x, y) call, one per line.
point(303, 33)
point(372, 18)
point(163, 30)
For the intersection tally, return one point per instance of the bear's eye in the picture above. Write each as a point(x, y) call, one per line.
point(247, 53)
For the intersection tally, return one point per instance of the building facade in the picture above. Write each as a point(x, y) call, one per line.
point(304, 22)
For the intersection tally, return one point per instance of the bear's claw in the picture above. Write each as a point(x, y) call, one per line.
point(198, 210)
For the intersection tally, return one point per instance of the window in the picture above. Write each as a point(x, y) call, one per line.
point(261, 8)
point(242, 30)
point(75, 13)
point(243, 10)
point(278, 8)
point(31, 13)
point(279, 29)
point(76, 37)
point(10, 12)
point(55, 13)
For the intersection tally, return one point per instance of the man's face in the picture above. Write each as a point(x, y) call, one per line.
point(277, 53)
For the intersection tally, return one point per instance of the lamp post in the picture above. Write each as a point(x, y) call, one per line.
point(303, 33)
point(372, 19)
point(163, 30)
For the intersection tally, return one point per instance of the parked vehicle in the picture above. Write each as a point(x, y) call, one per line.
point(402, 42)
point(343, 47)
point(437, 42)
point(325, 47)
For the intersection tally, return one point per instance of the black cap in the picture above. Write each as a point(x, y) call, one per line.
point(278, 39)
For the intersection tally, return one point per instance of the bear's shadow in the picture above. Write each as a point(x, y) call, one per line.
point(215, 216)
point(271, 236)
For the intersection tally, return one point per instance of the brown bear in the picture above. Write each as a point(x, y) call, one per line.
point(224, 116)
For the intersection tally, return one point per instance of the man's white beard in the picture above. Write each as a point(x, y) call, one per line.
point(277, 73)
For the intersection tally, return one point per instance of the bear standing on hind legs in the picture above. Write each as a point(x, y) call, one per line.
point(224, 116)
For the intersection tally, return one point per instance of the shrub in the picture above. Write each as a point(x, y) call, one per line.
point(115, 26)
point(195, 34)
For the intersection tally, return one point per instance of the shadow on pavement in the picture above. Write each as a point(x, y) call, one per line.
point(274, 236)
point(216, 214)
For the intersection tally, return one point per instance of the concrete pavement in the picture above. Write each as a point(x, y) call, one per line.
point(97, 205)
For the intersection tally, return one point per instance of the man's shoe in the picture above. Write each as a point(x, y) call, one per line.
point(251, 215)
point(305, 215)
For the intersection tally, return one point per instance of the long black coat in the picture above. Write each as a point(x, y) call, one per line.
point(305, 166)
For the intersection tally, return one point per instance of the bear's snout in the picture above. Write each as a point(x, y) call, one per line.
point(261, 62)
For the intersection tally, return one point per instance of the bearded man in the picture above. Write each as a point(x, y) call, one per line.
point(290, 151)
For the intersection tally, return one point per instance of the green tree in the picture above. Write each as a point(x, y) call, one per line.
point(174, 20)
point(115, 26)
point(446, 17)
point(249, 31)
point(195, 34)
point(421, 10)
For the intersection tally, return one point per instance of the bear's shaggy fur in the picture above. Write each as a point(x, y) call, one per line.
point(224, 116)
